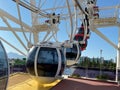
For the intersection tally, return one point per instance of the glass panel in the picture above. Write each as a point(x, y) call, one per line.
point(30, 61)
point(81, 31)
point(47, 63)
point(71, 53)
point(3, 68)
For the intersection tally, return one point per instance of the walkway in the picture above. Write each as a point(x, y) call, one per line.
point(82, 84)
point(22, 81)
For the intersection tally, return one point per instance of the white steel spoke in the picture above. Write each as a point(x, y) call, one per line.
point(16, 48)
point(14, 32)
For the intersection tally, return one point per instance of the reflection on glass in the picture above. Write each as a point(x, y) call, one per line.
point(30, 61)
point(3, 68)
point(47, 63)
point(71, 53)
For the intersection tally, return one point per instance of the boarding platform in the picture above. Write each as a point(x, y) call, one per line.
point(22, 81)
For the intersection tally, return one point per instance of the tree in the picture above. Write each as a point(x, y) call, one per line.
point(19, 62)
point(87, 62)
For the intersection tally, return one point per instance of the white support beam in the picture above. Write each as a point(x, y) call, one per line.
point(13, 46)
point(35, 36)
point(10, 28)
point(31, 7)
point(75, 21)
point(51, 36)
point(14, 19)
point(103, 26)
point(105, 38)
point(118, 62)
point(20, 19)
point(118, 57)
point(71, 20)
point(109, 7)
point(48, 32)
point(15, 29)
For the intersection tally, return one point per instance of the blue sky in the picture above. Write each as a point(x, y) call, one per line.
point(95, 43)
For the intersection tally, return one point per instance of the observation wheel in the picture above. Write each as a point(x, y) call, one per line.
point(58, 28)
point(40, 21)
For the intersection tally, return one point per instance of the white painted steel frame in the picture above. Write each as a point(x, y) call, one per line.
point(28, 29)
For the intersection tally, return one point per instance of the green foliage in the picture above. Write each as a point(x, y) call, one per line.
point(19, 62)
point(87, 62)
